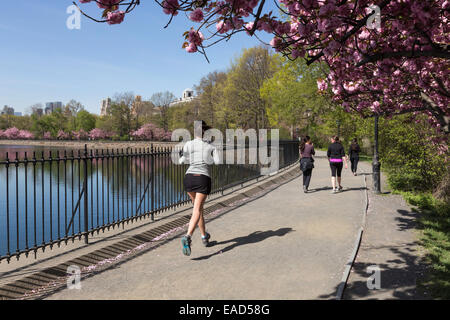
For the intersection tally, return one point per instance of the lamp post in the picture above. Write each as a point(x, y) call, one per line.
point(375, 163)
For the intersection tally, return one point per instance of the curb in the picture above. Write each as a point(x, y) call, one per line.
point(351, 260)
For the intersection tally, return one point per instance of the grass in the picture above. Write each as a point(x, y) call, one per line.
point(363, 157)
point(434, 223)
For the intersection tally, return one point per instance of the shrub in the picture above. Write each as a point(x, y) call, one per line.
point(150, 132)
point(63, 135)
point(47, 136)
point(80, 135)
point(99, 134)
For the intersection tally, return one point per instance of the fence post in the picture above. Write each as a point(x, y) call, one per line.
point(85, 187)
point(152, 177)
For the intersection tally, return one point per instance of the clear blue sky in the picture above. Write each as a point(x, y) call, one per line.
point(41, 60)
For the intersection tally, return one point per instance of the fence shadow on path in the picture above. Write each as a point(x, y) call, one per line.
point(254, 237)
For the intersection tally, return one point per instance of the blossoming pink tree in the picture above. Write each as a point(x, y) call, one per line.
point(403, 66)
point(145, 132)
point(99, 134)
point(80, 135)
point(150, 132)
point(16, 134)
point(25, 135)
point(62, 135)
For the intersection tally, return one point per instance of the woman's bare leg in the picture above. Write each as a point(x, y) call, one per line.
point(197, 214)
point(333, 182)
point(201, 222)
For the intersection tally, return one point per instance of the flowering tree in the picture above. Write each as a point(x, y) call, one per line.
point(150, 132)
point(402, 66)
point(145, 132)
point(25, 135)
point(14, 133)
point(80, 135)
point(62, 135)
point(47, 135)
point(99, 134)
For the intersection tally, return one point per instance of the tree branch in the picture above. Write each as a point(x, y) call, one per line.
point(443, 53)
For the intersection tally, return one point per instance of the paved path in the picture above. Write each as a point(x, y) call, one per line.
point(284, 245)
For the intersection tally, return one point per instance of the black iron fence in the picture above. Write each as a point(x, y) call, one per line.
point(50, 198)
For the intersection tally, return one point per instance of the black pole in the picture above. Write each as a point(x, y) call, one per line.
point(152, 177)
point(376, 164)
point(85, 187)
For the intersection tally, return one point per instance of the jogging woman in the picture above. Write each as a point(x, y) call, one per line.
point(336, 156)
point(306, 161)
point(197, 182)
point(353, 153)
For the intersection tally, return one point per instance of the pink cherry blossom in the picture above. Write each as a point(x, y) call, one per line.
point(196, 15)
point(404, 66)
point(115, 17)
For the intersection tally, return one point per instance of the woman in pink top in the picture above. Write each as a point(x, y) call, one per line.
point(336, 156)
point(306, 161)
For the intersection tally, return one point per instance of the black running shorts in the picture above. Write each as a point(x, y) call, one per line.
point(336, 168)
point(197, 183)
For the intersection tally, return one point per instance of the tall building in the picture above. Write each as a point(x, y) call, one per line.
point(7, 111)
point(137, 104)
point(106, 105)
point(38, 111)
point(51, 106)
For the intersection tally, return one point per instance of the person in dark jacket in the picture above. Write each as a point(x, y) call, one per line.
point(336, 156)
point(306, 161)
point(353, 153)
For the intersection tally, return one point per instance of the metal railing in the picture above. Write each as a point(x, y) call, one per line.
point(50, 198)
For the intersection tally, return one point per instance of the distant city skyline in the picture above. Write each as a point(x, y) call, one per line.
point(96, 62)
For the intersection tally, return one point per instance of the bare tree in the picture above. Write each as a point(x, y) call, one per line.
point(36, 109)
point(125, 98)
point(162, 100)
point(73, 107)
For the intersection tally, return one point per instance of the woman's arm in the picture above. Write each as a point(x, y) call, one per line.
point(183, 158)
point(344, 157)
point(216, 156)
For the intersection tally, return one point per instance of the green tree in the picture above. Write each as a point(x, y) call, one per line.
point(208, 98)
point(120, 119)
point(85, 120)
point(242, 91)
point(292, 95)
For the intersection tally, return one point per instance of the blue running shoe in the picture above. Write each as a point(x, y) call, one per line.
point(205, 239)
point(186, 242)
